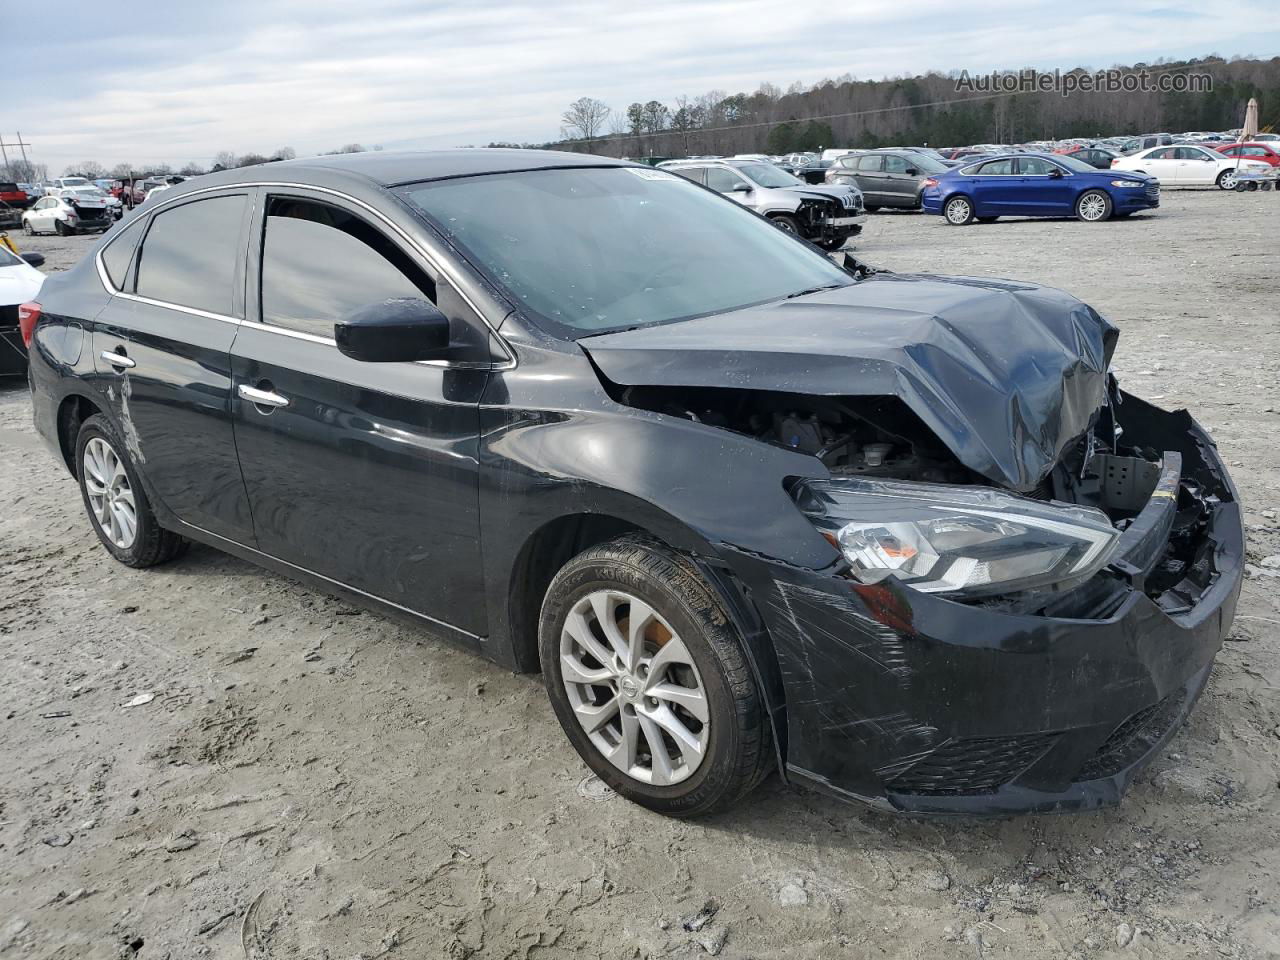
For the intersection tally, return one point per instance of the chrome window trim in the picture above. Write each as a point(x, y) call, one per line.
point(507, 364)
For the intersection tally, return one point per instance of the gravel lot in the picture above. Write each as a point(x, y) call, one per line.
point(311, 780)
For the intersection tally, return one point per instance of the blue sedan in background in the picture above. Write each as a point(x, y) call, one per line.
point(1037, 185)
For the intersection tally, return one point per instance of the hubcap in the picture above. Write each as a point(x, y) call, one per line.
point(958, 211)
point(634, 688)
point(1092, 207)
point(110, 495)
point(1229, 179)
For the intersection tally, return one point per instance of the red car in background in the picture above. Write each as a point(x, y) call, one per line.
point(10, 194)
point(1266, 152)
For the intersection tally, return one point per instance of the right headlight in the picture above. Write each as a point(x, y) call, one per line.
point(1126, 183)
point(965, 541)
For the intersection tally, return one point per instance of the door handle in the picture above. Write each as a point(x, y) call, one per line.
point(261, 398)
point(118, 360)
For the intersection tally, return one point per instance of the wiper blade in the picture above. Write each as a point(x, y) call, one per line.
point(805, 293)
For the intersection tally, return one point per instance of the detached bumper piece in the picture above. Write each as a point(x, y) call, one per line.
point(1039, 703)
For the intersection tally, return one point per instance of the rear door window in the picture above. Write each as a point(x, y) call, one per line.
point(191, 254)
point(870, 164)
point(1034, 167)
point(997, 168)
point(320, 264)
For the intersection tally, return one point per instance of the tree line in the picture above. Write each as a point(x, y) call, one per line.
point(25, 171)
point(922, 109)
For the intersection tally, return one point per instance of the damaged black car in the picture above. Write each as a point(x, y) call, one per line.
point(902, 538)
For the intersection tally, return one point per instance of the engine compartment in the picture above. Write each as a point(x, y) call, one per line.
point(851, 436)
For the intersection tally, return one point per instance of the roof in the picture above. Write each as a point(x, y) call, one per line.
point(390, 168)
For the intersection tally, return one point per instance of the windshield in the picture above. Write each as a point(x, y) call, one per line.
point(74, 181)
point(767, 175)
point(1074, 163)
point(590, 250)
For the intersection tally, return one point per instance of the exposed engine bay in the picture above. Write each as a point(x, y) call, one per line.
point(852, 436)
point(881, 437)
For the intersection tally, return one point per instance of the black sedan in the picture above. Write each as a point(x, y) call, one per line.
point(901, 538)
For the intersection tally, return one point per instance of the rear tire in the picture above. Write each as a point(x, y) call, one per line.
point(708, 671)
point(112, 491)
point(958, 211)
point(60, 228)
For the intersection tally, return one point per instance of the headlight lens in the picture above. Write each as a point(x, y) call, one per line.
point(1126, 183)
point(966, 541)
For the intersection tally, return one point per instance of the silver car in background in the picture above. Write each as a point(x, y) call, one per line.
point(826, 215)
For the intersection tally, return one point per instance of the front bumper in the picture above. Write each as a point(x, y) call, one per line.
point(1136, 198)
point(914, 703)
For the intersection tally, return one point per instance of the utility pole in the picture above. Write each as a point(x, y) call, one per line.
point(19, 143)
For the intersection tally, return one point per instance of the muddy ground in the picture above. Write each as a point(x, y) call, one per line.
point(313, 781)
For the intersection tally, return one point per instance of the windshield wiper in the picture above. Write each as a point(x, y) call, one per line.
point(805, 293)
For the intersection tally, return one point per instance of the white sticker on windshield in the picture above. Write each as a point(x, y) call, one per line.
point(645, 173)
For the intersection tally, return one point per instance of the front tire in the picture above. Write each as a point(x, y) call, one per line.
point(667, 714)
point(958, 211)
point(1227, 180)
point(117, 505)
point(1093, 206)
point(786, 224)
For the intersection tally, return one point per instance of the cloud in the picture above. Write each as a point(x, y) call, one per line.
point(181, 82)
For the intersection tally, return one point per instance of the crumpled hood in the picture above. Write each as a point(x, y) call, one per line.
point(1006, 374)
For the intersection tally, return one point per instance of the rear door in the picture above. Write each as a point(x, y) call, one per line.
point(899, 185)
point(364, 473)
point(869, 175)
point(161, 348)
point(996, 188)
point(1161, 164)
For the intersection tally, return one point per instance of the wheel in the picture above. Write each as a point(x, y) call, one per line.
point(1227, 179)
point(117, 505)
point(649, 680)
point(958, 211)
point(26, 228)
point(1093, 206)
point(786, 224)
point(1252, 186)
point(987, 219)
point(60, 228)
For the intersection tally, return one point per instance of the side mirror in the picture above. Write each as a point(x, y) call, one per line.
point(1055, 173)
point(33, 259)
point(912, 172)
point(740, 187)
point(394, 331)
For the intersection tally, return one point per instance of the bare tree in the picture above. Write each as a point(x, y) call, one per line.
point(586, 117)
point(192, 170)
point(284, 153)
point(225, 160)
point(89, 169)
point(24, 171)
point(122, 171)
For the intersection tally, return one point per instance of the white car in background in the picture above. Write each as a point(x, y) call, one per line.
point(20, 281)
point(92, 192)
point(64, 215)
point(1187, 165)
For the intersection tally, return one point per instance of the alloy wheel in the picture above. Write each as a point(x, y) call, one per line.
point(1093, 207)
point(958, 211)
point(634, 688)
point(1228, 180)
point(110, 493)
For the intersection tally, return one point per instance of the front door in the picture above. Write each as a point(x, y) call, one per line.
point(1161, 164)
point(1195, 165)
point(161, 355)
point(1044, 187)
point(364, 473)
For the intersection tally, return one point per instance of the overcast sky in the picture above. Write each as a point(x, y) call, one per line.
point(178, 81)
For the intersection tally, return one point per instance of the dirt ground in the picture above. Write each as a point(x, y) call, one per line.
point(313, 781)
